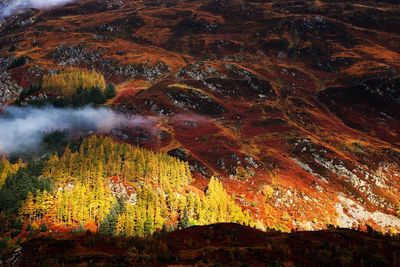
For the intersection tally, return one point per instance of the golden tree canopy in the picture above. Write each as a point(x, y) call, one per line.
point(66, 82)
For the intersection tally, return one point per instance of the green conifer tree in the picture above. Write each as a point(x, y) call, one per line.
point(184, 221)
point(110, 91)
point(97, 96)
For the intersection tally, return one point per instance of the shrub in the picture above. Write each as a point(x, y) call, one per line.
point(78, 230)
point(241, 173)
point(267, 191)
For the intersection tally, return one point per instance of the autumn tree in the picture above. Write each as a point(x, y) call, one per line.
point(84, 191)
point(105, 157)
point(66, 82)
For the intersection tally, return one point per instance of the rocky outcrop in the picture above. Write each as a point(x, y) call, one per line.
point(70, 55)
point(9, 90)
point(121, 190)
point(150, 73)
point(179, 153)
point(195, 101)
point(352, 214)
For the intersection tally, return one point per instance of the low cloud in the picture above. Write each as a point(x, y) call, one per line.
point(22, 129)
point(9, 7)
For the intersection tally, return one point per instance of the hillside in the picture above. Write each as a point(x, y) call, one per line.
point(294, 105)
point(215, 245)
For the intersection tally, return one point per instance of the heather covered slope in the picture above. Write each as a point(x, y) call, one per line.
point(295, 104)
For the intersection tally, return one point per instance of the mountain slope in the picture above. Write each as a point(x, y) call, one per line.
point(293, 103)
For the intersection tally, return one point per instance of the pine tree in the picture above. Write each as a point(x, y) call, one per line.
point(28, 207)
point(184, 221)
point(78, 98)
point(97, 96)
point(130, 220)
point(139, 229)
point(120, 228)
point(108, 225)
point(110, 91)
point(43, 227)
